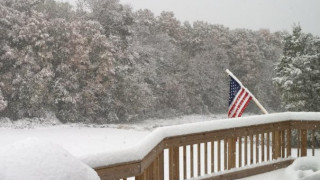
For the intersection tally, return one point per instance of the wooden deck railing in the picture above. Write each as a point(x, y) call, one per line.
point(247, 150)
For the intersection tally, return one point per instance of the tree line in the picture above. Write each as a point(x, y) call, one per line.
point(102, 62)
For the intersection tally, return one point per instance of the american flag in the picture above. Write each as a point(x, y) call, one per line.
point(239, 98)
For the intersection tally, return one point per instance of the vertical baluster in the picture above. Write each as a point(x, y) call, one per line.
point(273, 145)
point(199, 159)
point(280, 139)
point(219, 156)
point(231, 153)
point(145, 174)
point(257, 149)
point(174, 163)
point(288, 142)
point(251, 149)
point(276, 145)
point(313, 141)
point(161, 165)
point(240, 151)
point(206, 158)
point(191, 161)
point(282, 144)
point(299, 141)
point(304, 142)
point(262, 148)
point(268, 146)
point(155, 170)
point(140, 177)
point(212, 156)
point(150, 172)
point(184, 162)
point(145, 177)
point(245, 150)
point(278, 142)
point(225, 143)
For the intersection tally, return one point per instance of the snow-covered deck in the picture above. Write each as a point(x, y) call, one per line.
point(198, 149)
point(140, 149)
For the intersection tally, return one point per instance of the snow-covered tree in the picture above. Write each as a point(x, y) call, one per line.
point(113, 16)
point(3, 103)
point(298, 72)
point(54, 64)
point(170, 25)
point(56, 9)
point(102, 62)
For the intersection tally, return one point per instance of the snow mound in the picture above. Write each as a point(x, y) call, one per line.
point(305, 168)
point(33, 159)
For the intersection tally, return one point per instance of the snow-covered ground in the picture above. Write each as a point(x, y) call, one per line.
point(273, 175)
point(78, 141)
point(84, 140)
point(41, 148)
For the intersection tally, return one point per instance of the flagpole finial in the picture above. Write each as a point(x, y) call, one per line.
point(229, 72)
point(233, 76)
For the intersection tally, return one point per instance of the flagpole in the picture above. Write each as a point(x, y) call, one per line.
point(253, 98)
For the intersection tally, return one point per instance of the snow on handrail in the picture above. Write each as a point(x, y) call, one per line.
point(142, 148)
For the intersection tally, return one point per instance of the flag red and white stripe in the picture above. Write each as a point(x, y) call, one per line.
point(239, 98)
point(239, 103)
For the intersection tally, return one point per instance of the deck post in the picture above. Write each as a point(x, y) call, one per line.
point(288, 142)
point(276, 142)
point(174, 163)
point(304, 142)
point(161, 166)
point(232, 152)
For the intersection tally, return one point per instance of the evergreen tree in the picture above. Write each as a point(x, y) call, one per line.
point(298, 72)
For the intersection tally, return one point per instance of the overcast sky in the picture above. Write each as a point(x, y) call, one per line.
point(252, 14)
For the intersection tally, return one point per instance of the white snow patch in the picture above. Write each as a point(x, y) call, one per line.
point(35, 159)
point(78, 141)
point(303, 168)
point(272, 175)
point(216, 174)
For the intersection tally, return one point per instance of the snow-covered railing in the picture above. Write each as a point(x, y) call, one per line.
point(210, 149)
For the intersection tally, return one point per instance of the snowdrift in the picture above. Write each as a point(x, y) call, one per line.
point(305, 168)
point(32, 159)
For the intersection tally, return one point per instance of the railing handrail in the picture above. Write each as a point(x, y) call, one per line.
point(144, 147)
